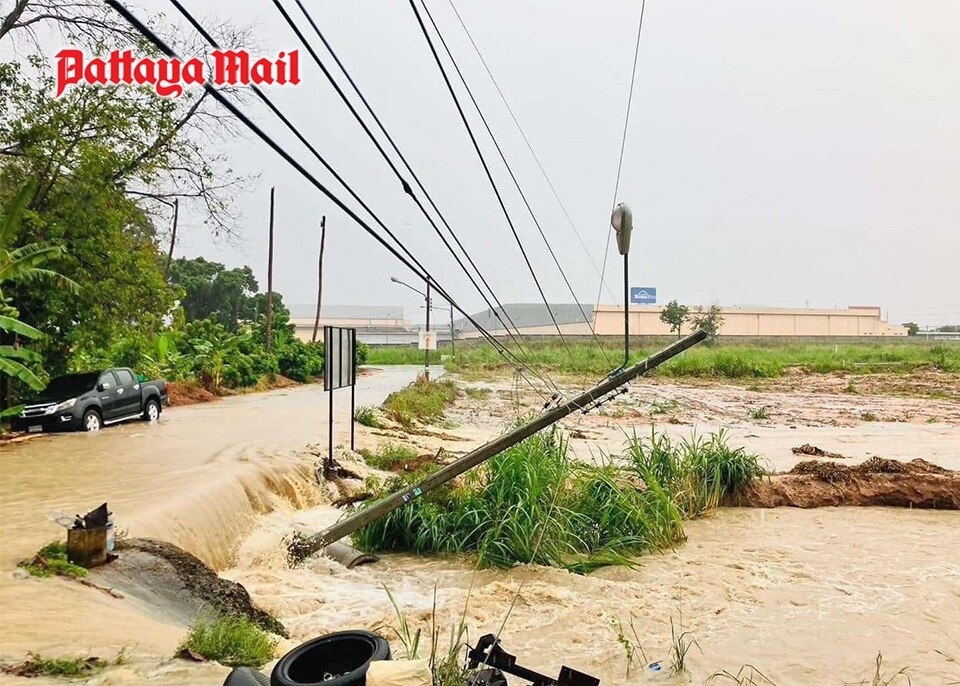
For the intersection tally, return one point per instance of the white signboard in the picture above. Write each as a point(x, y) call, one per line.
point(428, 340)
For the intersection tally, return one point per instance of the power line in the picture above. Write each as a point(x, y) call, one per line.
point(406, 186)
point(623, 144)
point(533, 152)
point(516, 183)
point(486, 169)
point(219, 97)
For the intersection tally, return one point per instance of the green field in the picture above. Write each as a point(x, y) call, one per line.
point(727, 360)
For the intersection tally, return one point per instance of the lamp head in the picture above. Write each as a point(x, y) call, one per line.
point(622, 222)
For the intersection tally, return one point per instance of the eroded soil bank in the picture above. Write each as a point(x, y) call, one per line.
point(877, 482)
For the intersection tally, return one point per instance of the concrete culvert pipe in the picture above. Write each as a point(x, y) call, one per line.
point(338, 659)
point(348, 556)
point(245, 676)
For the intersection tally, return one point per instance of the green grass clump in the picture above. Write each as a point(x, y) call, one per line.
point(389, 456)
point(367, 416)
point(52, 560)
point(422, 401)
point(533, 504)
point(698, 472)
point(232, 640)
point(760, 413)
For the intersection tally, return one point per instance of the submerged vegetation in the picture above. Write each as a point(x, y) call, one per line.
point(534, 504)
point(232, 640)
point(447, 665)
point(62, 667)
point(730, 361)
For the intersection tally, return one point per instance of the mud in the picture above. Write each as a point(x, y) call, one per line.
point(180, 394)
point(877, 482)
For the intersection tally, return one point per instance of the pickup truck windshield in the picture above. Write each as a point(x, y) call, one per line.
point(73, 384)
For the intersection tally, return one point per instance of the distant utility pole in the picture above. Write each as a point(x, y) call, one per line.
point(323, 235)
point(270, 277)
point(426, 353)
point(173, 237)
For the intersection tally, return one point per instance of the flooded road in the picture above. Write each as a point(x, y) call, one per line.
point(806, 596)
point(199, 478)
point(162, 478)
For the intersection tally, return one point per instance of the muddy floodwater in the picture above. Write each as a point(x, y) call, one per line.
point(805, 596)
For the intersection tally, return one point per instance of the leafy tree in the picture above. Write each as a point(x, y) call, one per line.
point(228, 295)
point(912, 328)
point(212, 290)
point(709, 320)
point(27, 264)
point(675, 315)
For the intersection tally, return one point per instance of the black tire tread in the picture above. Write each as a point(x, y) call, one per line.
point(245, 676)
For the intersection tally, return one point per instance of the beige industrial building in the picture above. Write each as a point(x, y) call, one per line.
point(533, 320)
point(758, 321)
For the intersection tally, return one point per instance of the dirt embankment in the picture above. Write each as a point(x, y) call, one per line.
point(182, 393)
point(174, 583)
point(877, 481)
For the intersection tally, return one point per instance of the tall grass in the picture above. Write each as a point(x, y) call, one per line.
point(533, 504)
point(422, 401)
point(730, 360)
point(447, 666)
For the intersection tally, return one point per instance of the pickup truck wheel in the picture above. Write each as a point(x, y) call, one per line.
point(151, 412)
point(91, 421)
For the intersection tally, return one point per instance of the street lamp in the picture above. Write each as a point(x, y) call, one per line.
point(426, 353)
point(622, 222)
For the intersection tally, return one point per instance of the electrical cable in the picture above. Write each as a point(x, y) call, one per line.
point(623, 145)
point(516, 183)
point(406, 186)
point(486, 169)
point(266, 100)
point(533, 152)
point(246, 121)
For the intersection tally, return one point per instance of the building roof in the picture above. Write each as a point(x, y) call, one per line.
point(348, 311)
point(526, 315)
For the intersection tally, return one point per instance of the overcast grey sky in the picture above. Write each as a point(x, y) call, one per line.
point(778, 154)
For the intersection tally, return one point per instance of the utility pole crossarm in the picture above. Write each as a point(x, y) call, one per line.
point(305, 547)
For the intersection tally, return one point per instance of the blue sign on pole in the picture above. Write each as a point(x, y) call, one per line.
point(643, 296)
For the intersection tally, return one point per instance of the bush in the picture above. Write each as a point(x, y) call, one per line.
point(234, 641)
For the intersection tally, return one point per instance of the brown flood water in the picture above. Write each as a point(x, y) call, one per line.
point(808, 597)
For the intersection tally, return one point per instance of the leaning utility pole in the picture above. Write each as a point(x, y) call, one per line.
point(270, 278)
point(323, 235)
point(173, 237)
point(304, 547)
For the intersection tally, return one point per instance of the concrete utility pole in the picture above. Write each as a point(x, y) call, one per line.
point(173, 237)
point(270, 277)
point(622, 222)
point(323, 235)
point(426, 352)
point(304, 547)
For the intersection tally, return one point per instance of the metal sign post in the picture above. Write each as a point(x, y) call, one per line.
point(339, 370)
